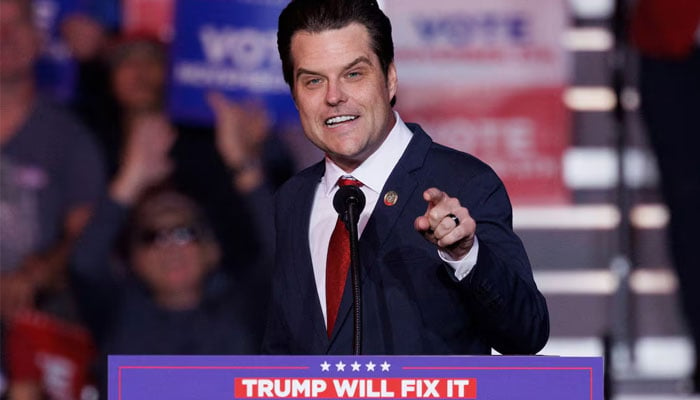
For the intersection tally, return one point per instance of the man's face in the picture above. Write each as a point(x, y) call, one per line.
point(342, 95)
point(138, 81)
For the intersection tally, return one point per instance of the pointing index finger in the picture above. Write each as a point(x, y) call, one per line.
point(433, 195)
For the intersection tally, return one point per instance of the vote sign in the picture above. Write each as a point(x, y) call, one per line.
point(228, 46)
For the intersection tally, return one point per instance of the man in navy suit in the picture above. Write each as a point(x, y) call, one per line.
point(441, 270)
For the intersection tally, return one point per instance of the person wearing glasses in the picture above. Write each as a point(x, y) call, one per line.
point(147, 267)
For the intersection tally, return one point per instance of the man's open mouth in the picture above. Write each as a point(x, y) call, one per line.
point(340, 119)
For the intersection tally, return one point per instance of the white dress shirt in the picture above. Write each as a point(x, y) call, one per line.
point(373, 173)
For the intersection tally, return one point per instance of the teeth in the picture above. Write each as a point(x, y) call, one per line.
point(339, 119)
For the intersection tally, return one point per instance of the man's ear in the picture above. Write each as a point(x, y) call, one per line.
point(292, 92)
point(392, 80)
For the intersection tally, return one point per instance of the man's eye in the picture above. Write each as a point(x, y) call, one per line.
point(313, 82)
point(354, 74)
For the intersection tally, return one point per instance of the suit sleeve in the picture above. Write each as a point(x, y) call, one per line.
point(275, 339)
point(501, 291)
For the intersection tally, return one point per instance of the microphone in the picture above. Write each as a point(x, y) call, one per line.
point(349, 201)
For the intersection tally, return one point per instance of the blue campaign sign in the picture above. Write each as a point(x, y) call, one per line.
point(355, 377)
point(228, 46)
point(55, 68)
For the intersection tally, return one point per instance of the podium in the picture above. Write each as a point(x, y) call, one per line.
point(355, 377)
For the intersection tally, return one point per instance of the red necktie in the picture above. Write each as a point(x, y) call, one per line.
point(337, 263)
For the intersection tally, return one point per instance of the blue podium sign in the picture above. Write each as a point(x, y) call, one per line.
point(355, 377)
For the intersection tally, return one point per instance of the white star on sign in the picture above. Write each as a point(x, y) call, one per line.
point(370, 366)
point(325, 366)
point(355, 366)
point(340, 366)
point(385, 366)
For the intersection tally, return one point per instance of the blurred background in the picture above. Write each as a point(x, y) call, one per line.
point(573, 102)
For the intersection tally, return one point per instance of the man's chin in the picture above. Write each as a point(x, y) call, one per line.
point(345, 161)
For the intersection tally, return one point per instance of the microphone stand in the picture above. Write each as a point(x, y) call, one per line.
point(353, 217)
point(349, 202)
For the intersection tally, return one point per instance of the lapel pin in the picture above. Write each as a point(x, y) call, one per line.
point(390, 198)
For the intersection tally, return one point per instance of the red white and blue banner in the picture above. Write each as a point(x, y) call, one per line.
point(487, 78)
point(228, 46)
point(355, 377)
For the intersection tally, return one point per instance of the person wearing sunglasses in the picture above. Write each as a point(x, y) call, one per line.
point(148, 269)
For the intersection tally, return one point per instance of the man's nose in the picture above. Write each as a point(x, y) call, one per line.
point(335, 93)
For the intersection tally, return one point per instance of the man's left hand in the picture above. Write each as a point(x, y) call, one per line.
point(446, 224)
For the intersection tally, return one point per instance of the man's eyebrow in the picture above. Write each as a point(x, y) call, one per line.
point(304, 71)
point(358, 60)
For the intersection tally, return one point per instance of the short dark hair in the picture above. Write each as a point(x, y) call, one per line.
point(320, 15)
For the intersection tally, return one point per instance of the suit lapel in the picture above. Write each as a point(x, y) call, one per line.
point(385, 216)
point(302, 253)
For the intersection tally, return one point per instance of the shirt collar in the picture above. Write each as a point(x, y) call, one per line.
point(375, 170)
